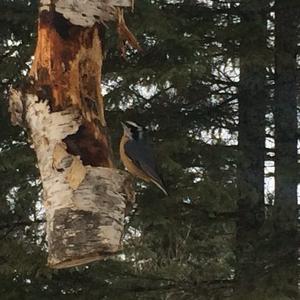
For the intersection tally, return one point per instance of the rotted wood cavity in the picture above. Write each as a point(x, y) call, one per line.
point(67, 72)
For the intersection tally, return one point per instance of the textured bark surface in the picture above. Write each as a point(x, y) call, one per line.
point(87, 13)
point(67, 72)
point(84, 196)
point(85, 205)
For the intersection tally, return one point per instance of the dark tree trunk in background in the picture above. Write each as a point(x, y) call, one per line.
point(252, 109)
point(285, 114)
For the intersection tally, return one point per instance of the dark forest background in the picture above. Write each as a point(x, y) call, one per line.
point(217, 85)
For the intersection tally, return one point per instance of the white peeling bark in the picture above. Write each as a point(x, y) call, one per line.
point(87, 12)
point(85, 206)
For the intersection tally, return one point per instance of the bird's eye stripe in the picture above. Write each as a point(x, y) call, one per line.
point(132, 124)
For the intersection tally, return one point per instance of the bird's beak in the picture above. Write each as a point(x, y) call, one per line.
point(127, 131)
point(124, 126)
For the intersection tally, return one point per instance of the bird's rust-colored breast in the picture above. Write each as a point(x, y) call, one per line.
point(129, 164)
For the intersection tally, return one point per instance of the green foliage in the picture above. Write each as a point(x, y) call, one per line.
point(178, 247)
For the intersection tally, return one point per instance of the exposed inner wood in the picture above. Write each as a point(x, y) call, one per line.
point(67, 72)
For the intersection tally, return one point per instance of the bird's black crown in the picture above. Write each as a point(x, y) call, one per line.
point(135, 129)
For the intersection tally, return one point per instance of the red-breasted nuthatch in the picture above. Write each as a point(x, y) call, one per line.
point(136, 156)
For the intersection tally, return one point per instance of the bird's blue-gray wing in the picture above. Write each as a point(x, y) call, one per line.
point(142, 156)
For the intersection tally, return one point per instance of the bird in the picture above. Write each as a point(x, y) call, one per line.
point(137, 156)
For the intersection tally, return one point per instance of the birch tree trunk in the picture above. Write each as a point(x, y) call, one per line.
point(62, 109)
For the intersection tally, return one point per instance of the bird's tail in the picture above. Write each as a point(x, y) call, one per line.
point(161, 186)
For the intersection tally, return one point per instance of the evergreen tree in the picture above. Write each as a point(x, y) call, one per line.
point(286, 161)
point(184, 87)
point(285, 114)
point(252, 110)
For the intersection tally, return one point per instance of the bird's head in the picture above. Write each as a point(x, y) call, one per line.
point(132, 130)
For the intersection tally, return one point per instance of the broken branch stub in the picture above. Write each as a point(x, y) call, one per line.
point(85, 198)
